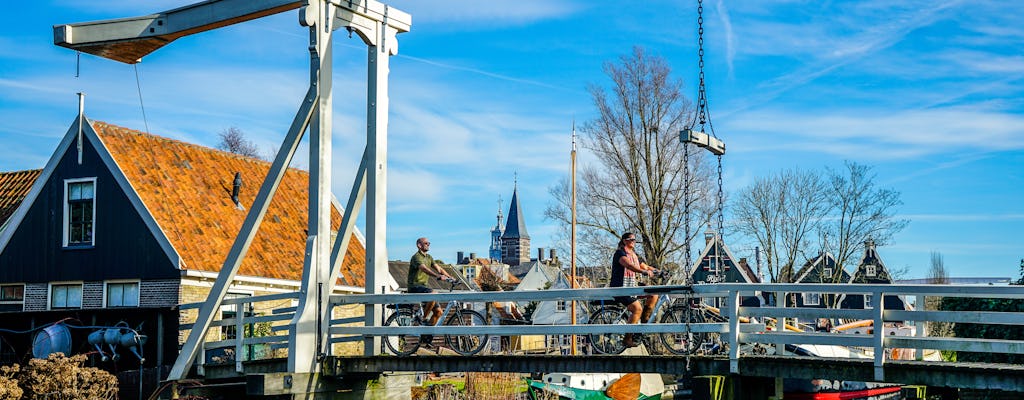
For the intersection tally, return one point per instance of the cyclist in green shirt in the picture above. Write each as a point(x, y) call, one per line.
point(421, 268)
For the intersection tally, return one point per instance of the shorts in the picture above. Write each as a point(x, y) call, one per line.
point(420, 289)
point(625, 300)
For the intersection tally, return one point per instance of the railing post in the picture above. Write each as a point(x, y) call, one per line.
point(239, 336)
point(734, 331)
point(879, 335)
point(921, 326)
point(780, 322)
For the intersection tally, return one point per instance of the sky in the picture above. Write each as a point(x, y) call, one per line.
point(483, 94)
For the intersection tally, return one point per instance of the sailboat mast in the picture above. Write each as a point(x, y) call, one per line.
point(572, 240)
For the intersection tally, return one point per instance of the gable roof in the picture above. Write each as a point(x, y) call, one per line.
point(871, 257)
point(728, 260)
point(14, 186)
point(812, 270)
point(187, 190)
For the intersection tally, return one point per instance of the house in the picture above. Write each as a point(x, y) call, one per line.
point(820, 269)
point(871, 270)
point(717, 264)
point(122, 227)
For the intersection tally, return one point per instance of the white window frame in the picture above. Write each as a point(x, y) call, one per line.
point(870, 270)
point(828, 272)
point(808, 296)
point(67, 212)
point(470, 273)
point(106, 292)
point(867, 301)
point(49, 294)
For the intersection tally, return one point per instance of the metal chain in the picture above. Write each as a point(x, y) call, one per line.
point(721, 197)
point(686, 211)
point(702, 99)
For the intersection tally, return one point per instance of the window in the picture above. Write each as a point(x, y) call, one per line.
point(828, 272)
point(812, 299)
point(713, 263)
point(867, 301)
point(123, 294)
point(227, 311)
point(560, 306)
point(12, 293)
point(12, 299)
point(470, 272)
point(871, 270)
point(66, 296)
point(79, 211)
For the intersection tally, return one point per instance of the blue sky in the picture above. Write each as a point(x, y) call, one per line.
point(926, 92)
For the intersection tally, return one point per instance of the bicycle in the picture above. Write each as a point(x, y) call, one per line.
point(671, 310)
point(412, 315)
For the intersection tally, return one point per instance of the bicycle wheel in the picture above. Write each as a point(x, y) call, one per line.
point(402, 345)
point(607, 343)
point(466, 345)
point(678, 342)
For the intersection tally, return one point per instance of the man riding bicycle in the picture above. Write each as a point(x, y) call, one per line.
point(422, 268)
point(625, 267)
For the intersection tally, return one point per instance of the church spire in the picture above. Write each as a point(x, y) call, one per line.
point(515, 227)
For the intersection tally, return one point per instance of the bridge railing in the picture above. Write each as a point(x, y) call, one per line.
point(248, 328)
point(743, 326)
point(878, 341)
point(525, 296)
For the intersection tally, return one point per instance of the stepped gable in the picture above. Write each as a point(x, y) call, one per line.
point(14, 186)
point(187, 188)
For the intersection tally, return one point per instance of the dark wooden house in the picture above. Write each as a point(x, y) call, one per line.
point(871, 270)
point(717, 264)
point(123, 227)
point(820, 269)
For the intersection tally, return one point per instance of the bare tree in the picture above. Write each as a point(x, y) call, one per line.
point(781, 212)
point(638, 183)
point(937, 275)
point(233, 140)
point(860, 211)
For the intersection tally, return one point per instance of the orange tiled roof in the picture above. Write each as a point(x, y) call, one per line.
point(187, 188)
point(14, 186)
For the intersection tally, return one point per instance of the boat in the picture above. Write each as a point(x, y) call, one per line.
point(598, 386)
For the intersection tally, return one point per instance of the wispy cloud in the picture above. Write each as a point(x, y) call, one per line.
point(730, 48)
point(463, 14)
point(964, 217)
point(880, 134)
point(828, 53)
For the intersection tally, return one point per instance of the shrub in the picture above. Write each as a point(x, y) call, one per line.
point(65, 378)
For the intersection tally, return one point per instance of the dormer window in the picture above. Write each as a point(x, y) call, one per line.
point(870, 270)
point(79, 212)
point(828, 272)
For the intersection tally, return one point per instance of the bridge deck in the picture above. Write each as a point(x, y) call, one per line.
point(964, 375)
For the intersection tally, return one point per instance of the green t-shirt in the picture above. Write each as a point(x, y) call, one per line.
point(418, 277)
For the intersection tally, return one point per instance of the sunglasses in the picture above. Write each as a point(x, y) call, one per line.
point(632, 239)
